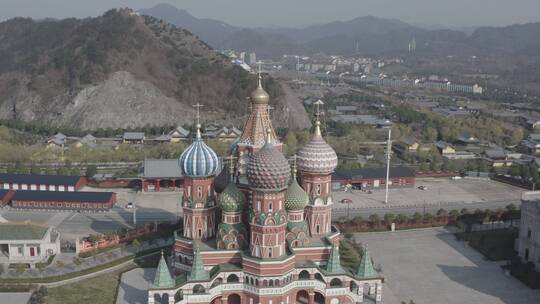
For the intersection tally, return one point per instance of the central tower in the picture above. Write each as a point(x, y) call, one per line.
point(268, 175)
point(255, 129)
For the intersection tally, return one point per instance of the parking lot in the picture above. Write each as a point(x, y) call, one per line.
point(430, 266)
point(442, 191)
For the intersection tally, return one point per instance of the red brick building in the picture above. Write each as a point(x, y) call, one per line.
point(373, 178)
point(92, 201)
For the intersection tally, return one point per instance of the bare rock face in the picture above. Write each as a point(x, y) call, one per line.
point(123, 101)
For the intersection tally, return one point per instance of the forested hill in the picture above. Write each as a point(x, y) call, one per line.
point(118, 70)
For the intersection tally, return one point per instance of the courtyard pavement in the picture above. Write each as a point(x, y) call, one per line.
point(134, 286)
point(15, 297)
point(429, 266)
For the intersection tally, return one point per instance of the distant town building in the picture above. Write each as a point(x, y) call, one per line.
point(133, 138)
point(252, 58)
point(178, 134)
point(27, 243)
point(528, 243)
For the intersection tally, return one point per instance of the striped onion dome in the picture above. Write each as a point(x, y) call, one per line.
point(268, 169)
point(295, 197)
point(317, 156)
point(198, 160)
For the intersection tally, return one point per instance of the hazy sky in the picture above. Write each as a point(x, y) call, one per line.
point(456, 13)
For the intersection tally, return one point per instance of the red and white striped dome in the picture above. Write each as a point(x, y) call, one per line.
point(317, 156)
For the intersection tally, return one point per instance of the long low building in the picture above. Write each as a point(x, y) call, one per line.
point(373, 178)
point(35, 182)
point(94, 201)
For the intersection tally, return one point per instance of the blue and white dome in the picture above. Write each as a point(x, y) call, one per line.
point(198, 160)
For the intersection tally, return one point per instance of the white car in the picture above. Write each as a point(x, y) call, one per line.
point(422, 188)
point(129, 206)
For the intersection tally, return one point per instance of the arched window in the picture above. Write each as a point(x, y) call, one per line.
point(271, 283)
point(335, 282)
point(199, 192)
point(198, 289)
point(233, 278)
point(319, 277)
point(303, 275)
point(318, 189)
point(270, 209)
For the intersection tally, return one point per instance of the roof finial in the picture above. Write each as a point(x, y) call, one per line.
point(231, 158)
point(259, 72)
point(294, 167)
point(318, 103)
point(268, 133)
point(198, 125)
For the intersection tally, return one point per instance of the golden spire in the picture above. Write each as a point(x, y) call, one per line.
point(259, 96)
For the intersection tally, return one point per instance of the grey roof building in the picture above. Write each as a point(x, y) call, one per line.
point(27, 243)
point(161, 168)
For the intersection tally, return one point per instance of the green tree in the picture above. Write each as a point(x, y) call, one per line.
point(375, 219)
point(389, 218)
point(442, 213)
point(417, 217)
point(91, 170)
point(291, 142)
point(402, 218)
point(35, 170)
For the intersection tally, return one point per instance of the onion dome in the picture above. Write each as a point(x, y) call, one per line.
point(268, 169)
point(232, 199)
point(295, 197)
point(317, 156)
point(198, 160)
point(259, 96)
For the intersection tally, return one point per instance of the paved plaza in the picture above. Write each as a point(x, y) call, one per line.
point(134, 286)
point(429, 266)
point(441, 191)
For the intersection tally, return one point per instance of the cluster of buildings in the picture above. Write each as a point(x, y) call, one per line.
point(178, 134)
point(260, 232)
point(51, 192)
point(439, 85)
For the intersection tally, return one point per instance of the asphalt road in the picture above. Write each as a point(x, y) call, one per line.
point(428, 208)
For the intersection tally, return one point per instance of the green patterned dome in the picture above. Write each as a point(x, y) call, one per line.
point(232, 199)
point(295, 198)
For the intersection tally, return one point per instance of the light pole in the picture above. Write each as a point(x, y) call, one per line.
point(388, 151)
point(134, 214)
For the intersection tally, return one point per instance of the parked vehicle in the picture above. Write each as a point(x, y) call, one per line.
point(422, 188)
point(346, 201)
point(129, 205)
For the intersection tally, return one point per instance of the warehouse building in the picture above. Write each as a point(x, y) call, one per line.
point(373, 178)
point(91, 201)
point(34, 182)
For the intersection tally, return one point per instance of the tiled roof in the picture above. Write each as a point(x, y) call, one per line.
point(22, 231)
point(372, 173)
point(154, 168)
point(34, 179)
point(133, 135)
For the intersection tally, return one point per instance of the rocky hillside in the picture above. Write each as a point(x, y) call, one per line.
point(118, 70)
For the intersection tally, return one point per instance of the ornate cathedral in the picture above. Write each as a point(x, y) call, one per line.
point(259, 230)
